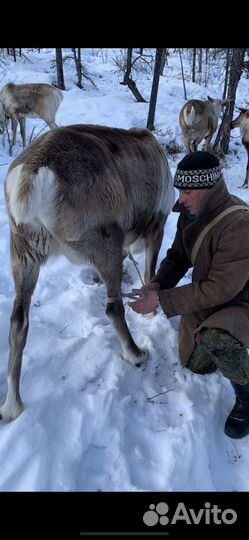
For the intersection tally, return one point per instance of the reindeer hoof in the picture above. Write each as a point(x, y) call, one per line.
point(138, 364)
point(8, 413)
point(141, 359)
point(136, 359)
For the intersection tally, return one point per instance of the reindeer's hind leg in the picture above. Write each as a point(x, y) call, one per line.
point(25, 267)
point(108, 261)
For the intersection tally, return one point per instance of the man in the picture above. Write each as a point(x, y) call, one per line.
point(214, 308)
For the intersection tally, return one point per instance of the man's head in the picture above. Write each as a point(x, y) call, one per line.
point(196, 173)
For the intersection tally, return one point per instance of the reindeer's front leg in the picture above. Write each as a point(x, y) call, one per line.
point(108, 258)
point(22, 122)
point(246, 181)
point(14, 128)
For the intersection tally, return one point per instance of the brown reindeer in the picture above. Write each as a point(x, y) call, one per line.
point(198, 120)
point(88, 192)
point(33, 100)
point(242, 121)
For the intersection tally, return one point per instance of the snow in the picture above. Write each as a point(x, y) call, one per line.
point(91, 421)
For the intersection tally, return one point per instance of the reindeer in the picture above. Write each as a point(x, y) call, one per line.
point(33, 100)
point(86, 191)
point(198, 120)
point(242, 121)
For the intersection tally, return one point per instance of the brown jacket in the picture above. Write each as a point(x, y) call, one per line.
point(218, 296)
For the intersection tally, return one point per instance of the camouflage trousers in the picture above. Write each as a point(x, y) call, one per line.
point(216, 348)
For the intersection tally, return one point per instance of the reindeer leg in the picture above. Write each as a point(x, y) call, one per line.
point(108, 258)
point(14, 128)
point(25, 273)
point(153, 241)
point(207, 142)
point(187, 142)
point(51, 123)
point(22, 122)
point(193, 146)
point(246, 182)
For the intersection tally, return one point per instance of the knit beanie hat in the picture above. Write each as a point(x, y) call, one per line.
point(197, 170)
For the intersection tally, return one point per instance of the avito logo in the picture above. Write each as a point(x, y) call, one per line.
point(210, 514)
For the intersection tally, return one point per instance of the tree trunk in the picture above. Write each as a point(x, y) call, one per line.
point(127, 81)
point(154, 89)
point(193, 65)
point(163, 62)
point(132, 86)
point(226, 73)
point(206, 66)
point(200, 67)
point(59, 67)
point(183, 80)
point(236, 67)
point(78, 65)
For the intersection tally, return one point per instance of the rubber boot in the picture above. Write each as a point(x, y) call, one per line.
point(237, 423)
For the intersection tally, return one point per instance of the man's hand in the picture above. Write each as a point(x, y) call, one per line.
point(152, 286)
point(147, 300)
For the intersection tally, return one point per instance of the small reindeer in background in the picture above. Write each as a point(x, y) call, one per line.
point(199, 120)
point(242, 121)
point(35, 100)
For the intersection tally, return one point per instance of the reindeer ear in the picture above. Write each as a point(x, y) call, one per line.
point(242, 110)
point(210, 99)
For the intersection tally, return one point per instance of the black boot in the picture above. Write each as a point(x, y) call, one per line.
point(237, 423)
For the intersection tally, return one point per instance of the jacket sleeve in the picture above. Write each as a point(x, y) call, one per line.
point(227, 277)
point(175, 265)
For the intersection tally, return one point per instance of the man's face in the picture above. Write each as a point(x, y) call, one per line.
point(192, 198)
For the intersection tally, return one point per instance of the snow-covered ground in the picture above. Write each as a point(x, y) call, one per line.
point(91, 421)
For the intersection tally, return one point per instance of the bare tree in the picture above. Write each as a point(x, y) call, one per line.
point(193, 65)
point(164, 60)
point(78, 65)
point(206, 66)
point(200, 66)
point(183, 79)
point(154, 89)
point(128, 78)
point(59, 68)
point(236, 68)
point(226, 72)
